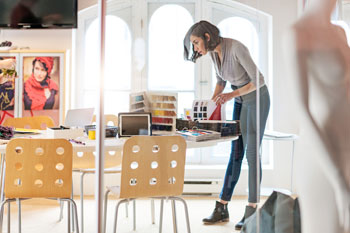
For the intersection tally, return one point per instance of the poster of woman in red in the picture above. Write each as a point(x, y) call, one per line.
point(41, 79)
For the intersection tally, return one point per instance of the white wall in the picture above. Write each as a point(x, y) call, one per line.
point(39, 39)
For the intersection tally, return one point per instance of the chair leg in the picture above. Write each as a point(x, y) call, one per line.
point(19, 215)
point(8, 217)
point(71, 202)
point(2, 214)
point(186, 211)
point(82, 201)
point(68, 218)
point(116, 215)
point(161, 215)
point(61, 211)
point(134, 208)
point(127, 209)
point(1, 218)
point(173, 207)
point(2, 176)
point(105, 211)
point(72, 213)
point(152, 211)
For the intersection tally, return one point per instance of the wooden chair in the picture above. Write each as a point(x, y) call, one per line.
point(152, 166)
point(34, 122)
point(110, 119)
point(38, 168)
point(84, 163)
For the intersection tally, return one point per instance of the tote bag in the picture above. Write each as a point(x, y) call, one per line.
point(279, 214)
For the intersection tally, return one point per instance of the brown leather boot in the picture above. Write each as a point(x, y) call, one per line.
point(248, 212)
point(220, 214)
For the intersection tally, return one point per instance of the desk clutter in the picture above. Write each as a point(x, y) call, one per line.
point(6, 132)
point(162, 105)
point(198, 135)
point(111, 131)
point(225, 128)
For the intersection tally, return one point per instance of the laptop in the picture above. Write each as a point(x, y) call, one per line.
point(132, 123)
point(79, 117)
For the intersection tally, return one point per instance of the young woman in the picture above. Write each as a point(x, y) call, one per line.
point(40, 91)
point(234, 64)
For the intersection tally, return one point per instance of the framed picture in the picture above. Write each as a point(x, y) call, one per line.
point(42, 86)
point(8, 89)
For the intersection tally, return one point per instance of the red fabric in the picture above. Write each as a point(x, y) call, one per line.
point(48, 61)
point(216, 115)
point(36, 92)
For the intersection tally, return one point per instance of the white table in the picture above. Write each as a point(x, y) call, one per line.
point(111, 144)
point(117, 143)
point(279, 136)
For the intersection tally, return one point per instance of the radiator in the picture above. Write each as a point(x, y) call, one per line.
point(202, 186)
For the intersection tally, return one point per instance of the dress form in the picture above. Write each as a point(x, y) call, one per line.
point(321, 59)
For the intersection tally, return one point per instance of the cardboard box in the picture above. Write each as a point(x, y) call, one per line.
point(64, 133)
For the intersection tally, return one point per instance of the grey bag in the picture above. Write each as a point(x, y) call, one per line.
point(279, 214)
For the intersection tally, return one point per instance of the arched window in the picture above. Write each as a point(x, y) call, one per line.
point(167, 70)
point(243, 30)
point(118, 54)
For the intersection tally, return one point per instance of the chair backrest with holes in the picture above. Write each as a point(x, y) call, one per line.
point(38, 168)
point(110, 119)
point(34, 122)
point(153, 166)
point(86, 160)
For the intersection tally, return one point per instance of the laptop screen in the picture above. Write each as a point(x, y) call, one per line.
point(79, 117)
point(135, 124)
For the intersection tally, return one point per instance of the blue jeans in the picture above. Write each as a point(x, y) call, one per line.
point(246, 144)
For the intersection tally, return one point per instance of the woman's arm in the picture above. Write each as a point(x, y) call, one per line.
point(56, 105)
point(218, 90)
point(51, 100)
point(222, 98)
point(27, 101)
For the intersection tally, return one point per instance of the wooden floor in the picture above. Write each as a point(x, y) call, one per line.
point(41, 215)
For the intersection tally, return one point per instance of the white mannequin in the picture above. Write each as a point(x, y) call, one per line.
point(321, 58)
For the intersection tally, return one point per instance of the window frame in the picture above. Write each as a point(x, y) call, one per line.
point(85, 18)
point(139, 25)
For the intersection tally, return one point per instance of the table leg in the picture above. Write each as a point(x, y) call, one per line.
point(292, 167)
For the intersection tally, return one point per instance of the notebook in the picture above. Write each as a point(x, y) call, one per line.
point(79, 117)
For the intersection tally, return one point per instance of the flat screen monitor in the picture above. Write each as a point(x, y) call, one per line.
point(38, 14)
point(131, 124)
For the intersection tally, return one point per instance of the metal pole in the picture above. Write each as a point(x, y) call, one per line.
point(257, 149)
point(258, 143)
point(100, 129)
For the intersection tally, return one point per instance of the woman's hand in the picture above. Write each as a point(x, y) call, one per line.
point(224, 97)
point(47, 93)
point(6, 78)
point(9, 64)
